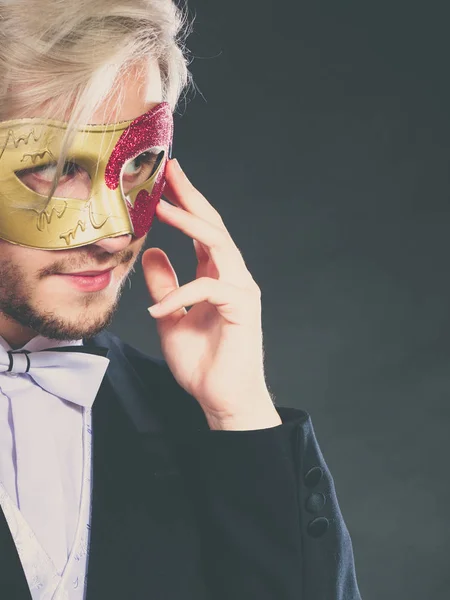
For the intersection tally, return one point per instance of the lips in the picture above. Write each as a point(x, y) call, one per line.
point(84, 282)
point(88, 273)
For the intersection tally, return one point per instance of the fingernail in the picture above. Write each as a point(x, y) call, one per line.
point(154, 309)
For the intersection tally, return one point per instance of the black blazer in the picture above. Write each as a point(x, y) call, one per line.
point(180, 512)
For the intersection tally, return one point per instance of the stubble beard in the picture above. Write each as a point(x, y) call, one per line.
point(15, 304)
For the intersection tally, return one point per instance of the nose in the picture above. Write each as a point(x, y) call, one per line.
point(114, 244)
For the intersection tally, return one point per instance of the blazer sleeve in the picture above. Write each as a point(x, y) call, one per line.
point(269, 519)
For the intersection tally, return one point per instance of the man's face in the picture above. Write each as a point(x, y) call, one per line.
point(35, 298)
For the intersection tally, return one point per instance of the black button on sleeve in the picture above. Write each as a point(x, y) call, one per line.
point(317, 527)
point(313, 477)
point(315, 502)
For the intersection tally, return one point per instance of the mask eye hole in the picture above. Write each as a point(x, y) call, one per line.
point(140, 169)
point(74, 182)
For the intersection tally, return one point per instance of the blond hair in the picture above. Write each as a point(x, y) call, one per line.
point(63, 56)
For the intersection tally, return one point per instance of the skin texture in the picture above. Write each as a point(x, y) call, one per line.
point(33, 299)
point(214, 350)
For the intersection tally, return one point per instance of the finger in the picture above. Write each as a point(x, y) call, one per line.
point(236, 305)
point(200, 251)
point(221, 247)
point(205, 264)
point(160, 276)
point(181, 192)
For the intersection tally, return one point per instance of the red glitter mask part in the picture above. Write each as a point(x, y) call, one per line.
point(154, 128)
point(143, 211)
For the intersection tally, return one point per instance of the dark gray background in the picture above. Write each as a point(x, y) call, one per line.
point(320, 132)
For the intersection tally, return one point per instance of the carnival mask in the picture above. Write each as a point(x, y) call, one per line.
point(117, 200)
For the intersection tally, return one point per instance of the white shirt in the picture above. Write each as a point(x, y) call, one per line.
point(41, 456)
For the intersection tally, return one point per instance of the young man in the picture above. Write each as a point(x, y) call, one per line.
point(124, 476)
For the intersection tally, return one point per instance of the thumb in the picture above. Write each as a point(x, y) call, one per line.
point(160, 278)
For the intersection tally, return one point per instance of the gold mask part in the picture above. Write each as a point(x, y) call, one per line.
point(113, 203)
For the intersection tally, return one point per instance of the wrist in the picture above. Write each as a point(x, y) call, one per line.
point(261, 418)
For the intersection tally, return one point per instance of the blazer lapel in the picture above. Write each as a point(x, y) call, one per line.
point(144, 539)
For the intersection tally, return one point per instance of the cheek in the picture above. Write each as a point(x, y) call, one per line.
point(18, 277)
point(29, 267)
point(23, 260)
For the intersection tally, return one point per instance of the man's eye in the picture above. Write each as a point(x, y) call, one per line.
point(74, 182)
point(47, 172)
point(140, 168)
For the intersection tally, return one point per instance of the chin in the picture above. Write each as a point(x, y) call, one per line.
point(61, 326)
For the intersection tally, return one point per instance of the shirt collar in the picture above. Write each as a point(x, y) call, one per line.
point(40, 342)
